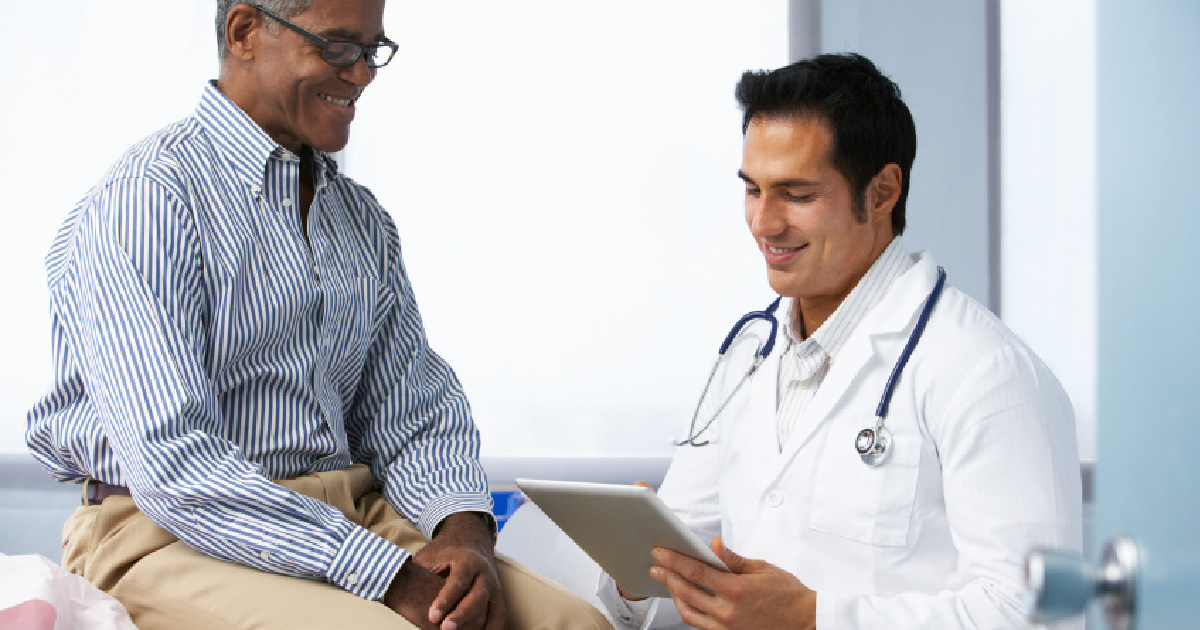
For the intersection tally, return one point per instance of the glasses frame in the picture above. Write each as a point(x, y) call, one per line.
point(324, 44)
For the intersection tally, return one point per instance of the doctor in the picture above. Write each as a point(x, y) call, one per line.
point(981, 464)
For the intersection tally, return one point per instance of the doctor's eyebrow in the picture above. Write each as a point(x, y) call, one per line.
point(783, 183)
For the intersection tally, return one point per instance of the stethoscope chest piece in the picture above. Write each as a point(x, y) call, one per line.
point(872, 445)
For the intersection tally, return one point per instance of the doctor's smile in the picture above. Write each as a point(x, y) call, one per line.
point(780, 255)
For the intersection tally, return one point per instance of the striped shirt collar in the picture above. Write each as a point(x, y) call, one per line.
point(829, 338)
point(243, 141)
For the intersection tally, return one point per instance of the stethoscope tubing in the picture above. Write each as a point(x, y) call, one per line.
point(880, 436)
point(918, 330)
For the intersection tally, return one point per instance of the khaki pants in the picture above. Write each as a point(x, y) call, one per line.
point(165, 584)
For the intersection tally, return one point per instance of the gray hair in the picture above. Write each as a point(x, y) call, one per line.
point(283, 8)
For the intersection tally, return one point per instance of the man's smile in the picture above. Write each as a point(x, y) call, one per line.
point(343, 102)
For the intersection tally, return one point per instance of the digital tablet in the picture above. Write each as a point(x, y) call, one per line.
point(618, 526)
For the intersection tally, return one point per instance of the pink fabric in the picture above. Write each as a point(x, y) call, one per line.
point(37, 594)
point(34, 614)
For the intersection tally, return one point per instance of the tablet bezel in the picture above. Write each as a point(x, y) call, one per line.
point(618, 526)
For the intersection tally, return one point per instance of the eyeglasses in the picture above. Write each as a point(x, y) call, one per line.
point(342, 54)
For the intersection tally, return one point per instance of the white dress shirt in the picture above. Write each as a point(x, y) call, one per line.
point(806, 361)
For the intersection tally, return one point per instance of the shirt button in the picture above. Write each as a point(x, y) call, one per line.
point(287, 203)
point(352, 578)
point(265, 556)
point(255, 189)
point(287, 156)
point(775, 499)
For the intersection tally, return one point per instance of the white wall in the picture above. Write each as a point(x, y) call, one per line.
point(1048, 200)
point(937, 52)
point(83, 81)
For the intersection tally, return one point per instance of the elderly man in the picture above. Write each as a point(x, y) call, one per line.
point(845, 482)
point(243, 385)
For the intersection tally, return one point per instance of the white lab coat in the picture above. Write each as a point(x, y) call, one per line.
point(984, 466)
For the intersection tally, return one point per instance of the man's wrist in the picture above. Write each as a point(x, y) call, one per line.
point(464, 520)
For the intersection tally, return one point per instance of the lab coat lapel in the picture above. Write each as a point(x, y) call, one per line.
point(765, 384)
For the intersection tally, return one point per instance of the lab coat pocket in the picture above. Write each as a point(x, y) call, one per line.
point(865, 503)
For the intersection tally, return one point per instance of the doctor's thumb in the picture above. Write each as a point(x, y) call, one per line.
point(736, 563)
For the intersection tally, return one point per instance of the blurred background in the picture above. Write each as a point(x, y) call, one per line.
point(563, 176)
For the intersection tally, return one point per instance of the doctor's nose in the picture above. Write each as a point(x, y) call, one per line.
point(765, 215)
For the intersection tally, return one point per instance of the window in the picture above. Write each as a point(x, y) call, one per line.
point(563, 176)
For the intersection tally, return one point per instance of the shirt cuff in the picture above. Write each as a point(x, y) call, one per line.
point(366, 564)
point(445, 505)
point(652, 612)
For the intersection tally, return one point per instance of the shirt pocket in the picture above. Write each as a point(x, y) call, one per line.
point(870, 504)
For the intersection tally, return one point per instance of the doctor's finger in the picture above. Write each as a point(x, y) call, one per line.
point(691, 569)
point(735, 562)
point(697, 606)
point(693, 616)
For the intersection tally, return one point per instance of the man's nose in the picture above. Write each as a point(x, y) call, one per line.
point(359, 73)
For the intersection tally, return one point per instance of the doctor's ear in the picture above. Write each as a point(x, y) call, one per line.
point(883, 192)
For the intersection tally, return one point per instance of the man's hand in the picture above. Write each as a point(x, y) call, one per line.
point(755, 594)
point(462, 552)
point(411, 593)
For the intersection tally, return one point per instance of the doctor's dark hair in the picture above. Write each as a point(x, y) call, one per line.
point(871, 126)
point(283, 8)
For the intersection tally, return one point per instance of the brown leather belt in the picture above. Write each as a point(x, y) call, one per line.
point(95, 492)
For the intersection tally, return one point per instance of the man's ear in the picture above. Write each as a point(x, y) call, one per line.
point(241, 25)
point(883, 192)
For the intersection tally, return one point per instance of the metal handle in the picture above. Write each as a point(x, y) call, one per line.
point(1062, 584)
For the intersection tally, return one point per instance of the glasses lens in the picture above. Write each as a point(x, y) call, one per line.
point(379, 55)
point(342, 53)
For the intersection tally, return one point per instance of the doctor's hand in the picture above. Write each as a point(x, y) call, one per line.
point(461, 555)
point(754, 594)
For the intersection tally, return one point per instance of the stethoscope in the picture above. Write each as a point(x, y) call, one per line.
point(872, 443)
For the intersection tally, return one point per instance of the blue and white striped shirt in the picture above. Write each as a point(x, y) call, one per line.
point(202, 348)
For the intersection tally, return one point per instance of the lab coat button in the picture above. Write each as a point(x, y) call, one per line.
point(775, 499)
